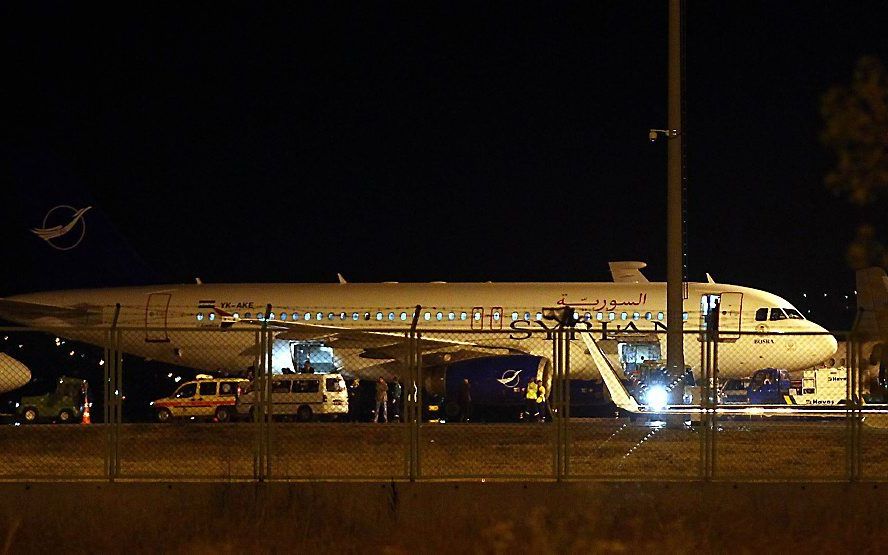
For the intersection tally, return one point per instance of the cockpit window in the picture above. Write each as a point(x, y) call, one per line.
point(794, 314)
point(761, 315)
point(778, 314)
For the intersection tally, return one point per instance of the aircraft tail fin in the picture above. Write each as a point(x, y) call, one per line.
point(872, 303)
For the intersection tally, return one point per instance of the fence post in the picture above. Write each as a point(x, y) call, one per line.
point(414, 401)
point(853, 407)
point(110, 392)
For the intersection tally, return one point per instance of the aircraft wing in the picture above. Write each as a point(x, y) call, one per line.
point(627, 272)
point(22, 309)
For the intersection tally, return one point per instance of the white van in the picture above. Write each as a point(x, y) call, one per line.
point(304, 396)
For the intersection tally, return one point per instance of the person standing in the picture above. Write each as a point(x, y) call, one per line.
point(530, 400)
point(381, 400)
point(307, 367)
point(465, 400)
point(395, 399)
point(353, 399)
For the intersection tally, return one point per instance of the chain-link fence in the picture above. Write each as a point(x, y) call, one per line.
point(264, 403)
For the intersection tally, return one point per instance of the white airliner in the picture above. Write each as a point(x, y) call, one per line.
point(361, 326)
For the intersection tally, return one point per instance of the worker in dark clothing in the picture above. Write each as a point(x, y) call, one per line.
point(465, 401)
point(395, 399)
point(381, 400)
point(353, 409)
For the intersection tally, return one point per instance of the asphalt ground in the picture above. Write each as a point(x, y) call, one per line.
point(603, 449)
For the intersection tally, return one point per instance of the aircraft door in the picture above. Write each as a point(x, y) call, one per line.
point(478, 318)
point(730, 309)
point(156, 317)
point(496, 318)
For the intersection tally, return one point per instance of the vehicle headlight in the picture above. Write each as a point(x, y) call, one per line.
point(656, 397)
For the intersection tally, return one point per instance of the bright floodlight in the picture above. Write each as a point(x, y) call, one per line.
point(656, 397)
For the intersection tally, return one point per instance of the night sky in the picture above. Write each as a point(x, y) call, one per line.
point(424, 141)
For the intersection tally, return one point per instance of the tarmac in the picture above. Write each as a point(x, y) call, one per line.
point(605, 449)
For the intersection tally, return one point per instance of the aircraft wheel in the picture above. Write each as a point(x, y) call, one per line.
point(223, 414)
point(65, 417)
point(304, 413)
point(30, 415)
point(164, 416)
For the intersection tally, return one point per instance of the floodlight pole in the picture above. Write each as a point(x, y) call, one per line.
point(674, 244)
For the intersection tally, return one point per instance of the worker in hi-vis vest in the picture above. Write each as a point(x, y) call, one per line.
point(541, 401)
point(530, 400)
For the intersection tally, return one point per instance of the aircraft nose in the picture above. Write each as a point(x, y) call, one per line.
point(827, 343)
point(13, 374)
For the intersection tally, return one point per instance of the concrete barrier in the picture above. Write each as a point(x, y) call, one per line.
point(443, 517)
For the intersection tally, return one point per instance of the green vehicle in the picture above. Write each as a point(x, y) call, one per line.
point(64, 405)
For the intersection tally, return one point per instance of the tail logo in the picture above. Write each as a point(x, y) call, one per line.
point(509, 378)
point(63, 236)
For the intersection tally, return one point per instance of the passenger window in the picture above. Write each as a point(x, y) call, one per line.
point(427, 316)
point(320, 315)
point(684, 316)
point(199, 316)
point(439, 316)
point(333, 385)
point(271, 315)
point(587, 316)
point(367, 316)
point(247, 315)
point(514, 316)
point(212, 316)
point(391, 316)
point(611, 315)
point(403, 316)
point(659, 316)
point(636, 316)
point(463, 315)
point(235, 315)
point(539, 315)
point(280, 386)
point(330, 316)
point(624, 316)
point(343, 315)
point(599, 316)
point(379, 315)
point(306, 386)
point(187, 391)
point(527, 315)
point(451, 316)
point(647, 315)
point(227, 388)
point(260, 316)
point(761, 315)
point(207, 388)
point(308, 315)
point(284, 316)
point(355, 316)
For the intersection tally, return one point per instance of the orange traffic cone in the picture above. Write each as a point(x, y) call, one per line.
point(85, 420)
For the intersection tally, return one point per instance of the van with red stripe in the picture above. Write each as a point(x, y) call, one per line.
point(205, 398)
